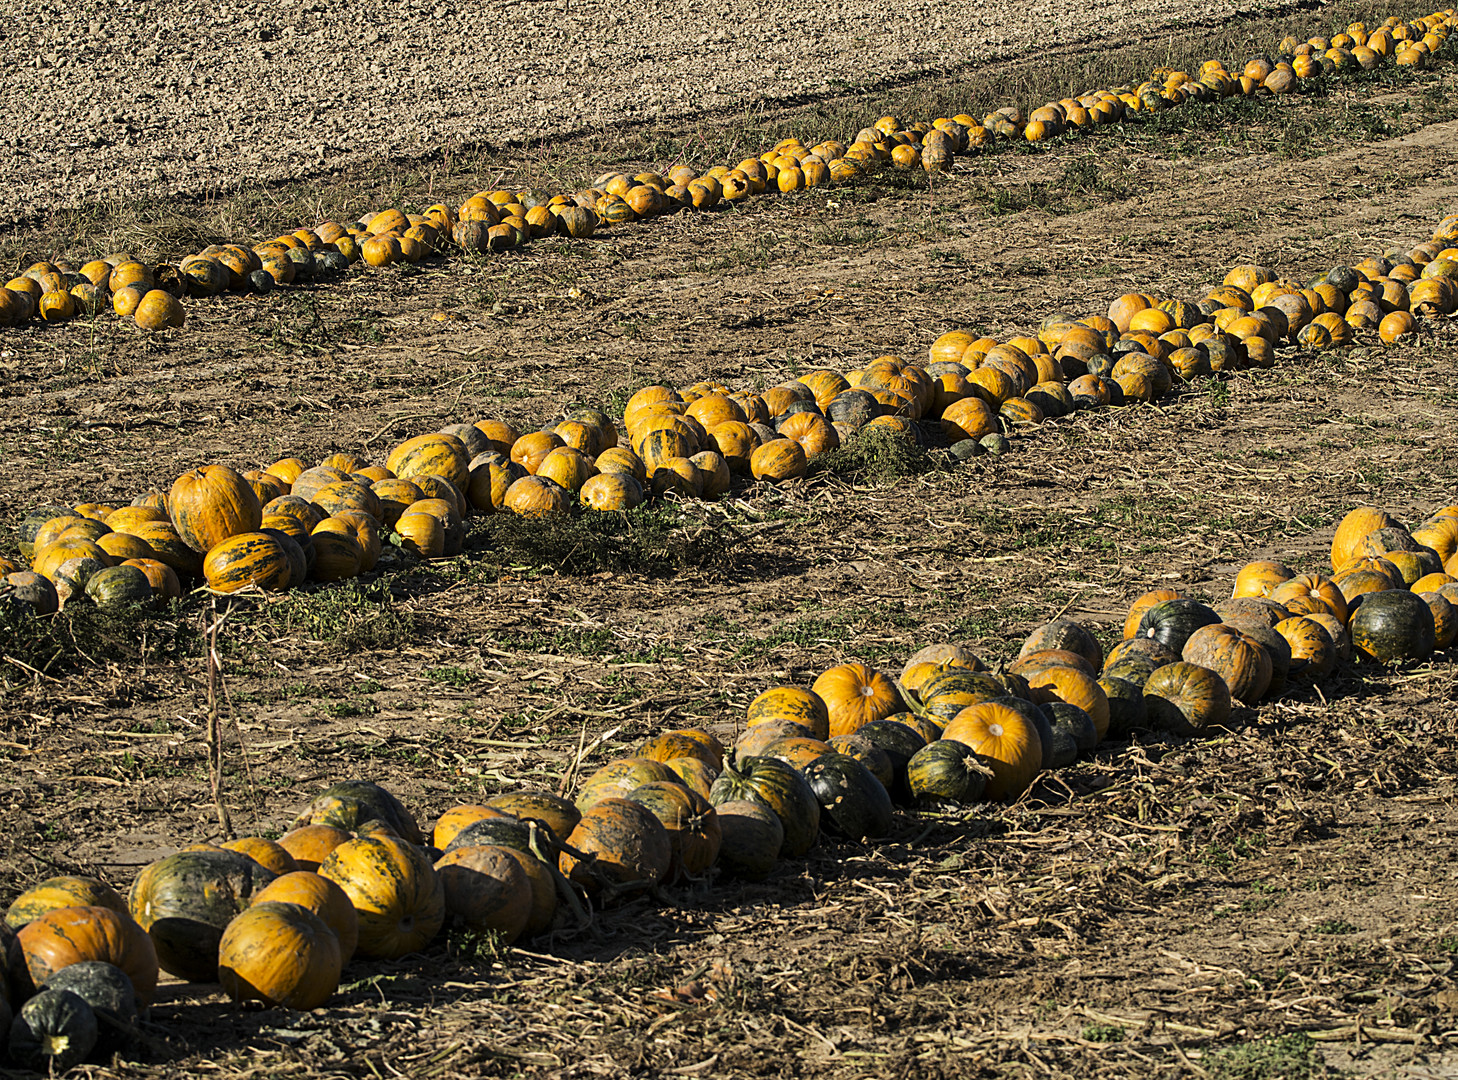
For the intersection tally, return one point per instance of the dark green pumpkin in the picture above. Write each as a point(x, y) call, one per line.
point(855, 803)
point(185, 902)
point(114, 587)
point(106, 988)
point(900, 743)
point(947, 771)
point(53, 1031)
point(1171, 622)
point(853, 408)
point(346, 804)
point(507, 832)
point(1127, 710)
point(780, 787)
point(1392, 626)
point(1072, 723)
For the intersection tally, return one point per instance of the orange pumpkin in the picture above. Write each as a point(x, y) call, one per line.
point(856, 695)
point(435, 454)
point(691, 823)
point(209, 505)
point(321, 896)
point(623, 845)
point(457, 818)
point(1352, 529)
point(72, 935)
point(1008, 742)
point(395, 891)
point(265, 853)
point(310, 845)
point(1237, 658)
point(280, 954)
point(1072, 687)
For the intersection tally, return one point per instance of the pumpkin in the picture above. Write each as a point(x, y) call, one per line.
point(791, 703)
point(208, 506)
point(534, 497)
point(611, 491)
point(1393, 625)
point(696, 774)
point(685, 742)
point(310, 845)
point(1071, 725)
point(1143, 604)
point(691, 823)
point(778, 460)
point(751, 837)
point(1313, 654)
point(53, 1031)
point(321, 896)
point(1323, 590)
point(1075, 688)
point(159, 310)
point(898, 742)
point(1259, 578)
point(1171, 622)
point(947, 771)
point(249, 559)
point(615, 779)
point(349, 803)
point(559, 815)
point(1445, 617)
point(434, 454)
point(1006, 739)
point(854, 695)
point(1186, 699)
point(107, 989)
point(1066, 635)
point(73, 935)
point(186, 900)
point(622, 846)
point(280, 954)
point(780, 787)
point(265, 853)
point(449, 824)
point(394, 890)
point(30, 590)
point(486, 889)
point(1146, 650)
point(853, 801)
point(60, 892)
point(1237, 658)
point(753, 741)
point(1352, 529)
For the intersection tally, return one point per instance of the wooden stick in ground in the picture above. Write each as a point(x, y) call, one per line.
point(215, 742)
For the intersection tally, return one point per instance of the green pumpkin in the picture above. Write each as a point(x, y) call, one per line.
point(947, 771)
point(1392, 626)
point(1171, 622)
point(186, 901)
point(109, 992)
point(114, 587)
point(780, 787)
point(855, 803)
point(53, 1031)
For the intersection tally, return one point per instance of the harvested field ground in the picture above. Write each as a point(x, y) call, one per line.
point(1276, 902)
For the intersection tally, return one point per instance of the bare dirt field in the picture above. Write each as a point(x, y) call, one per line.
point(1276, 902)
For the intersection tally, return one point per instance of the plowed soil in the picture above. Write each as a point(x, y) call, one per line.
point(1274, 901)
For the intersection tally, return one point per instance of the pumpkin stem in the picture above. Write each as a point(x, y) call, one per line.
point(909, 699)
point(545, 848)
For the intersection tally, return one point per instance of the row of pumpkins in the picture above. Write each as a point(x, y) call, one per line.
point(276, 921)
point(277, 527)
point(499, 220)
